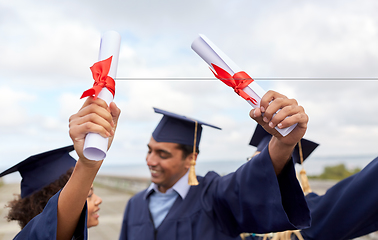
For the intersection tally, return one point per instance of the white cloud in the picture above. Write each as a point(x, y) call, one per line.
point(342, 114)
point(13, 109)
point(48, 47)
point(46, 43)
point(70, 104)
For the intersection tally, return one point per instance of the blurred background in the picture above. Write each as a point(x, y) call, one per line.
point(324, 54)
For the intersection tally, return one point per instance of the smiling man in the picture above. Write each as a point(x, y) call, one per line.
point(263, 195)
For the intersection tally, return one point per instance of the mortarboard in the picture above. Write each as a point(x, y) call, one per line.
point(261, 138)
point(302, 150)
point(40, 170)
point(180, 129)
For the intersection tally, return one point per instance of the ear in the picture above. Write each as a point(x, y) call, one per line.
point(189, 158)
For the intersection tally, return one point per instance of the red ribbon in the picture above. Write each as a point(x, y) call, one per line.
point(238, 82)
point(100, 72)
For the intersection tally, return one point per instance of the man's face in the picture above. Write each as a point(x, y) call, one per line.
point(166, 164)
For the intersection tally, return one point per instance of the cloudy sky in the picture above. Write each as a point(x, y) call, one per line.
point(324, 54)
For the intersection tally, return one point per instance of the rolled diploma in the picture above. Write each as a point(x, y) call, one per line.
point(95, 145)
point(211, 54)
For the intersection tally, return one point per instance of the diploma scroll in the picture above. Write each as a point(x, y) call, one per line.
point(96, 146)
point(212, 55)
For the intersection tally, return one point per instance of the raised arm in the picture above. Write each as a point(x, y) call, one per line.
point(263, 195)
point(95, 116)
point(280, 148)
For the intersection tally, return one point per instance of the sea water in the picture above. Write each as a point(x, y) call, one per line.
point(313, 166)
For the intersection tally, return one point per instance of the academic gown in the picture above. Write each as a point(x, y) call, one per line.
point(347, 210)
point(253, 199)
point(44, 225)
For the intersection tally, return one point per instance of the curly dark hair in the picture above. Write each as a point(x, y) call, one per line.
point(24, 209)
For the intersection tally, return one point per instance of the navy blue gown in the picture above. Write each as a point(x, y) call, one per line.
point(253, 199)
point(44, 225)
point(347, 210)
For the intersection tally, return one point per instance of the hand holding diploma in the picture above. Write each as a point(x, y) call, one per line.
point(229, 73)
point(95, 116)
point(280, 148)
point(104, 73)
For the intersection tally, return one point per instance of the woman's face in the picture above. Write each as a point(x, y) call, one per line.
point(93, 201)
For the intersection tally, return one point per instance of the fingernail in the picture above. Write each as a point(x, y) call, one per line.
point(271, 125)
point(265, 119)
point(262, 109)
point(279, 125)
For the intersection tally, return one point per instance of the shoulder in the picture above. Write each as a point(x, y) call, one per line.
point(138, 196)
point(208, 180)
point(209, 177)
point(135, 202)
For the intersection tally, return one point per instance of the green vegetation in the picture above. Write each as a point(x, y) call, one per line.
point(337, 172)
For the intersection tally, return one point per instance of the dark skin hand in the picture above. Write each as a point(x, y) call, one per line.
point(280, 148)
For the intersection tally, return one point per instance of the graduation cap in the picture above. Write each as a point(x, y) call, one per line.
point(180, 129)
point(261, 138)
point(40, 170)
point(302, 150)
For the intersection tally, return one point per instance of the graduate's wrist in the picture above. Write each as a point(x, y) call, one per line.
point(280, 153)
point(89, 164)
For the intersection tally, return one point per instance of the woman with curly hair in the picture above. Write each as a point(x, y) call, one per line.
point(65, 216)
point(25, 209)
point(35, 194)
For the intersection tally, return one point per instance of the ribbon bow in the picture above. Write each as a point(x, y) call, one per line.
point(238, 82)
point(100, 72)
